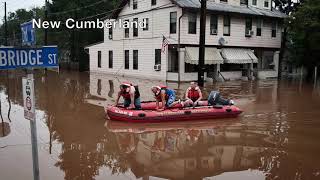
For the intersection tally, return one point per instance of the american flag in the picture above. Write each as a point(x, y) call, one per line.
point(165, 43)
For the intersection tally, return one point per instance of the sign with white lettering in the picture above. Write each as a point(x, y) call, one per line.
point(12, 58)
point(28, 34)
point(28, 98)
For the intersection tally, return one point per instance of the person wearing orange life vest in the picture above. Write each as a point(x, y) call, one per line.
point(130, 95)
point(165, 95)
point(193, 95)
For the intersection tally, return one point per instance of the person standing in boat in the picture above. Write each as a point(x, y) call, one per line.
point(131, 96)
point(165, 95)
point(193, 96)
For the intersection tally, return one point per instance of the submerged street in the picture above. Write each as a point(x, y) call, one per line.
point(275, 138)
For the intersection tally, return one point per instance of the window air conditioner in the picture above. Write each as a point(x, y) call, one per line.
point(249, 33)
point(157, 67)
point(214, 31)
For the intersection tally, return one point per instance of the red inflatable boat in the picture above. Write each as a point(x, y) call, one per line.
point(177, 113)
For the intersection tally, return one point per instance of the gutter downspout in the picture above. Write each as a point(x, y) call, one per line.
point(178, 48)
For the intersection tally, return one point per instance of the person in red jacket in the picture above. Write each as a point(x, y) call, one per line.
point(193, 95)
point(130, 94)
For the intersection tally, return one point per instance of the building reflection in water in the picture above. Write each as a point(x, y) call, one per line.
point(4, 129)
point(181, 151)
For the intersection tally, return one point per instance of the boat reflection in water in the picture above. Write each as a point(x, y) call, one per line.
point(187, 150)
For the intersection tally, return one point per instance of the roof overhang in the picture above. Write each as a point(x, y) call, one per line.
point(212, 55)
point(238, 56)
point(227, 8)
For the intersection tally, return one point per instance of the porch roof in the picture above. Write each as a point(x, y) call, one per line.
point(238, 56)
point(212, 56)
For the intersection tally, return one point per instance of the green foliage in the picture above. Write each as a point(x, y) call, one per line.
point(71, 42)
point(304, 34)
point(14, 19)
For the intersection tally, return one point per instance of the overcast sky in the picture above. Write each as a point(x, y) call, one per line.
point(13, 5)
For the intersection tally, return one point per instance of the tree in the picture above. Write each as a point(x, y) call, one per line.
point(73, 41)
point(15, 19)
point(287, 7)
point(304, 34)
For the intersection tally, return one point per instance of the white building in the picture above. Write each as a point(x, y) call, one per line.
point(243, 38)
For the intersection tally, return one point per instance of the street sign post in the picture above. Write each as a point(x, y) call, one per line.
point(28, 34)
point(30, 114)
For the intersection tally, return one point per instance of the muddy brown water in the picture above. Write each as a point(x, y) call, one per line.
point(277, 136)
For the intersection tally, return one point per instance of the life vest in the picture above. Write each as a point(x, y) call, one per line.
point(193, 94)
point(126, 95)
point(158, 94)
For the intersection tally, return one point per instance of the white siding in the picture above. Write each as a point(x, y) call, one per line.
point(237, 35)
point(145, 43)
point(143, 5)
point(146, 58)
point(159, 25)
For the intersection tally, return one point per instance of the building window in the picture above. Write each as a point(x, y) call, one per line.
point(135, 4)
point(110, 33)
point(224, 1)
point(99, 59)
point(153, 2)
point(259, 25)
point(157, 57)
point(135, 59)
point(244, 2)
point(126, 30)
point(110, 59)
point(266, 4)
point(192, 23)
point(226, 26)
point(214, 25)
point(135, 27)
point(173, 22)
point(254, 2)
point(274, 29)
point(248, 27)
point(267, 62)
point(189, 68)
point(146, 21)
point(126, 59)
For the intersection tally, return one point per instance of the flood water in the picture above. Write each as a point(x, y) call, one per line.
point(277, 136)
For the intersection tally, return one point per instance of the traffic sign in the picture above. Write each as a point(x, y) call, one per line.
point(28, 98)
point(28, 34)
point(12, 58)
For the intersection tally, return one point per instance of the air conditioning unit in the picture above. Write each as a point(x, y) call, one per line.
point(249, 33)
point(214, 31)
point(157, 67)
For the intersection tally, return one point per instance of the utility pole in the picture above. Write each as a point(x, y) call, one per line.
point(45, 30)
point(202, 42)
point(5, 25)
point(46, 18)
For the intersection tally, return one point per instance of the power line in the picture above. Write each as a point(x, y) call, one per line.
point(77, 9)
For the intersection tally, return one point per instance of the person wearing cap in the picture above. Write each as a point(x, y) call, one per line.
point(193, 95)
point(130, 95)
point(165, 95)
